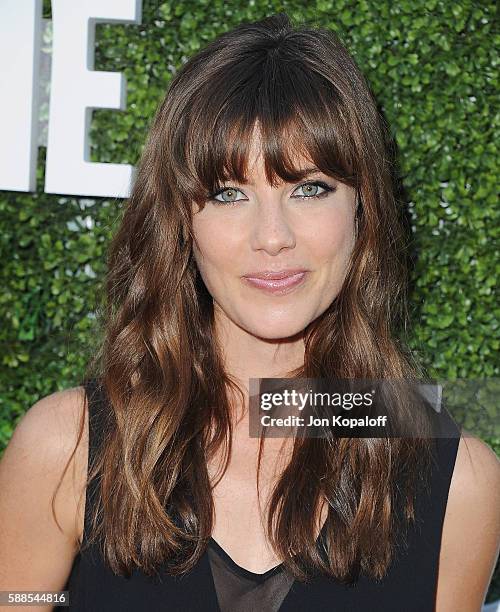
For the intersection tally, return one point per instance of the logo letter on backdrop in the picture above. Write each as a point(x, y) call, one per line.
point(20, 37)
point(75, 90)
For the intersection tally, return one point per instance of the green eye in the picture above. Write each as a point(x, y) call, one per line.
point(312, 189)
point(316, 189)
point(227, 192)
point(227, 195)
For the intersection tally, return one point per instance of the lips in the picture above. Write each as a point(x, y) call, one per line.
point(280, 282)
point(275, 275)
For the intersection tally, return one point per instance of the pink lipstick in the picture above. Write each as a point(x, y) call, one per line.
point(276, 282)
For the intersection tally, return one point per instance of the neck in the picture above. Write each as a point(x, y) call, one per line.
point(247, 356)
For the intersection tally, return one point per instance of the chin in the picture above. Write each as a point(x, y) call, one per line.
point(276, 329)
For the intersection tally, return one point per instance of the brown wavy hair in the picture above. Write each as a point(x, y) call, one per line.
point(159, 361)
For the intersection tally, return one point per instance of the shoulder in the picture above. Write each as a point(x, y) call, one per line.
point(475, 481)
point(471, 529)
point(51, 434)
point(43, 475)
point(58, 411)
point(59, 415)
point(52, 426)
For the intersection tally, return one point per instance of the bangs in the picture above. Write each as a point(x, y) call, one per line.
point(295, 113)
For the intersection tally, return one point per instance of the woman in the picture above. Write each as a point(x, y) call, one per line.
point(262, 239)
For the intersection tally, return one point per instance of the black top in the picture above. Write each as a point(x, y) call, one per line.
point(218, 584)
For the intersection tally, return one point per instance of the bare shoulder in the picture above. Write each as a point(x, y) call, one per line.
point(45, 459)
point(53, 425)
point(57, 415)
point(471, 529)
point(477, 471)
point(56, 418)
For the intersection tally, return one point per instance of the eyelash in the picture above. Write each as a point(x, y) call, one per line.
point(327, 189)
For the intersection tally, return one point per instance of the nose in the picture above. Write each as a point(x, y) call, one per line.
point(271, 230)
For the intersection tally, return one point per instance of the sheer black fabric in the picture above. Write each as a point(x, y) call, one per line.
point(239, 590)
point(218, 584)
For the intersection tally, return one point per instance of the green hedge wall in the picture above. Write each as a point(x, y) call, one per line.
point(431, 65)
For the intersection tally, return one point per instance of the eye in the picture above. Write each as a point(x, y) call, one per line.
point(313, 189)
point(228, 195)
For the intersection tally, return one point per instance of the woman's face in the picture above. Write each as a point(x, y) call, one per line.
point(250, 229)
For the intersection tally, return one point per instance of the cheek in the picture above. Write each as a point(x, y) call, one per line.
point(331, 237)
point(216, 245)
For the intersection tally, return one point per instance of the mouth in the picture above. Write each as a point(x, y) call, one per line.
point(280, 283)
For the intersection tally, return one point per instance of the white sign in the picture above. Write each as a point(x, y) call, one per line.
point(76, 88)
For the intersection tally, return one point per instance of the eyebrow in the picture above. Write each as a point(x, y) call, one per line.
point(309, 170)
